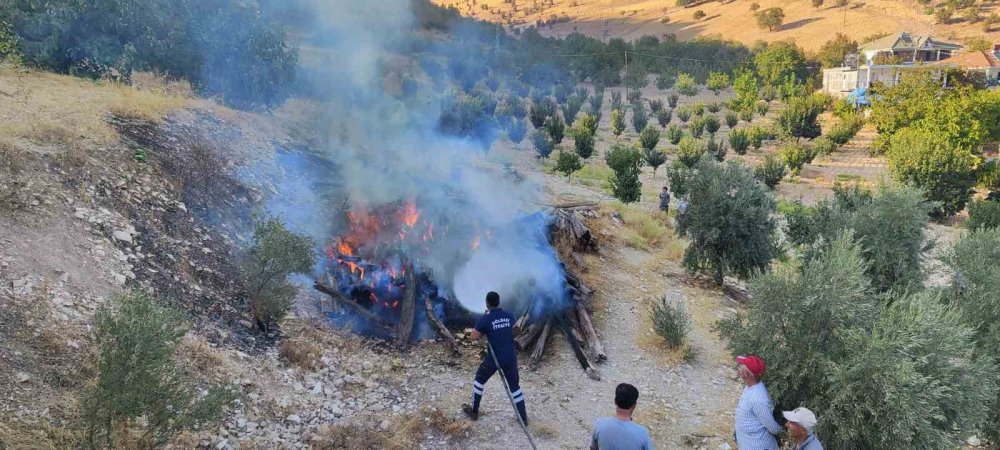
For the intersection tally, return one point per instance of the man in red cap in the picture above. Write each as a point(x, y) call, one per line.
point(755, 424)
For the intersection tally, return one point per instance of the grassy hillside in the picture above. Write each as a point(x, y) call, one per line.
point(808, 26)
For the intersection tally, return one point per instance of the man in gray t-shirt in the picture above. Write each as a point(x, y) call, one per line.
point(620, 432)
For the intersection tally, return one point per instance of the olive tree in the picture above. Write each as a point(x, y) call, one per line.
point(627, 163)
point(728, 221)
point(274, 254)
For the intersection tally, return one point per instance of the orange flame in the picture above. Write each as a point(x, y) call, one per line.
point(475, 243)
point(409, 215)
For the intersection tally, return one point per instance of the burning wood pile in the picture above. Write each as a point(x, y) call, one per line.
point(571, 237)
point(375, 275)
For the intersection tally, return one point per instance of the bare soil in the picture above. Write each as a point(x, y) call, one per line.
point(807, 26)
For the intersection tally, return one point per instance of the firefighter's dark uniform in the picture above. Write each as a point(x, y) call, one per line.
point(498, 326)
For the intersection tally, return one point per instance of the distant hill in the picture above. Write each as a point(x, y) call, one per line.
point(808, 26)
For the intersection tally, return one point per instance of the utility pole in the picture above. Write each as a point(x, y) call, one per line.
point(626, 74)
point(605, 33)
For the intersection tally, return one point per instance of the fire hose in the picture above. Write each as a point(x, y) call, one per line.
point(510, 396)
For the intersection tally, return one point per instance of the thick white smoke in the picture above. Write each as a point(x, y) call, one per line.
point(386, 149)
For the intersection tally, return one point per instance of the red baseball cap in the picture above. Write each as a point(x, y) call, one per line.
point(754, 363)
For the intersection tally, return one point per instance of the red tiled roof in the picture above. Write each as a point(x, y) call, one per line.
point(971, 60)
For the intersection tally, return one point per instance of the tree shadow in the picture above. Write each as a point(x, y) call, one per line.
point(799, 23)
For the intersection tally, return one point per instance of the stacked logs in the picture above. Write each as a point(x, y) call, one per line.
point(571, 237)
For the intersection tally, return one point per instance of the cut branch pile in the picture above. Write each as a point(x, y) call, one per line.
point(571, 236)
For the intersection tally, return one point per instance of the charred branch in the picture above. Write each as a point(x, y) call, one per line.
point(408, 305)
point(340, 299)
point(439, 327)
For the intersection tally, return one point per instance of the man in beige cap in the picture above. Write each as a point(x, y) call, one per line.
point(801, 422)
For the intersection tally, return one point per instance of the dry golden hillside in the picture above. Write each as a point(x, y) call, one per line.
point(808, 26)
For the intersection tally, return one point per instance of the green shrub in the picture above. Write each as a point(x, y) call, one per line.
point(728, 222)
point(684, 114)
point(689, 151)
point(583, 142)
point(889, 227)
point(757, 135)
point(516, 131)
point(141, 398)
point(617, 122)
point(655, 158)
point(975, 292)
point(649, 137)
point(639, 117)
point(274, 254)
point(540, 110)
point(571, 108)
point(596, 101)
point(731, 119)
point(674, 134)
point(555, 128)
point(697, 109)
point(627, 163)
point(983, 214)
point(655, 106)
point(678, 175)
point(664, 82)
point(671, 321)
point(697, 127)
point(663, 117)
point(798, 119)
point(711, 124)
point(713, 107)
point(823, 146)
point(842, 133)
point(794, 156)
point(717, 150)
point(739, 141)
point(672, 99)
point(9, 50)
point(770, 171)
point(685, 85)
point(567, 163)
point(543, 144)
point(746, 115)
point(925, 159)
point(587, 123)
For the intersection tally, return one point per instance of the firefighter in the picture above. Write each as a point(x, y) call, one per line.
point(498, 327)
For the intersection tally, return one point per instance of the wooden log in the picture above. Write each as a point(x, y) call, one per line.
point(407, 306)
point(536, 354)
point(577, 351)
point(588, 328)
point(442, 330)
point(574, 325)
point(528, 336)
point(736, 293)
point(372, 319)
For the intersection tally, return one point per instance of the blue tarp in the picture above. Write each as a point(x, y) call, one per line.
point(859, 97)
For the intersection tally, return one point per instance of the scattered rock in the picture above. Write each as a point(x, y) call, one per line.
point(294, 418)
point(23, 377)
point(123, 235)
point(974, 441)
